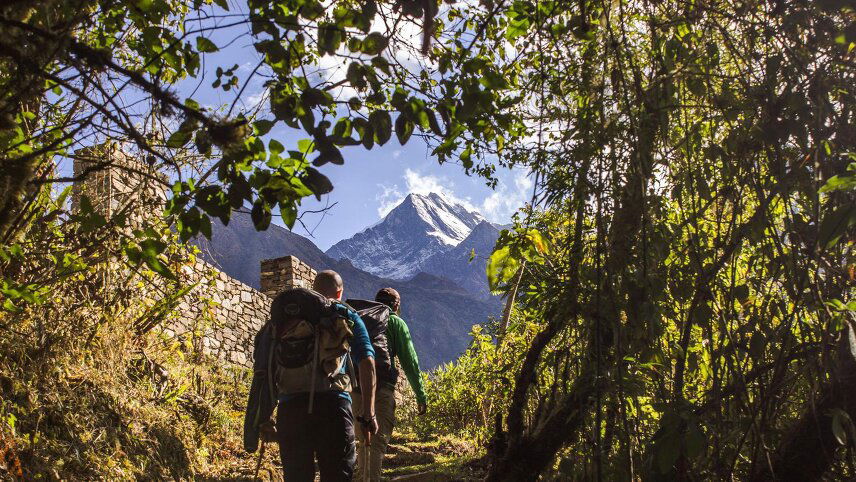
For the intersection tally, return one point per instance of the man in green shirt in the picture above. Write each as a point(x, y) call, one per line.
point(370, 457)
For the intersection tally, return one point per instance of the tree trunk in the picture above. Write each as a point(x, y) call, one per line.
point(810, 448)
point(509, 302)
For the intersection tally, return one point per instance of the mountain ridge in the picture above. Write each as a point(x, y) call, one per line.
point(439, 312)
point(421, 226)
point(456, 263)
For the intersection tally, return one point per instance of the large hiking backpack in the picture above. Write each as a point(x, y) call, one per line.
point(302, 348)
point(376, 318)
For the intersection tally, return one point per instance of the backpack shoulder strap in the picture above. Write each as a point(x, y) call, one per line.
point(271, 366)
point(343, 310)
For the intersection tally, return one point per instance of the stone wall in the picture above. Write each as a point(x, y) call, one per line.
point(283, 273)
point(219, 315)
point(224, 315)
point(116, 184)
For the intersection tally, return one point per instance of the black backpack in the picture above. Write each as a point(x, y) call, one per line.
point(283, 364)
point(304, 304)
point(376, 318)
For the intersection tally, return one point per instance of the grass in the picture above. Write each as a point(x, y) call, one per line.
point(440, 458)
point(91, 400)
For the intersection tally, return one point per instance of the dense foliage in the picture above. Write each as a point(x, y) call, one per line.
point(466, 396)
point(692, 160)
point(684, 275)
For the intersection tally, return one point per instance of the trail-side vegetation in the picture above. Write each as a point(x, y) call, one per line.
point(92, 385)
point(682, 280)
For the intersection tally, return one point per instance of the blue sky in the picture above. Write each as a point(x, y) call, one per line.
point(370, 183)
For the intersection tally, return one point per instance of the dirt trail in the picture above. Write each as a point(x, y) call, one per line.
point(442, 459)
point(407, 460)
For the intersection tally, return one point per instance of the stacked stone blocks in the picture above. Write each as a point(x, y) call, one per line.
point(220, 314)
point(283, 273)
point(117, 184)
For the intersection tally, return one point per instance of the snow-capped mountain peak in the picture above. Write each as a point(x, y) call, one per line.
point(450, 222)
point(416, 229)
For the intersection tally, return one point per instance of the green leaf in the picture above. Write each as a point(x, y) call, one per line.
point(365, 130)
point(178, 139)
point(260, 215)
point(668, 442)
point(275, 147)
point(149, 251)
point(695, 441)
point(311, 10)
point(466, 157)
point(91, 222)
point(538, 241)
point(329, 38)
point(60, 200)
point(205, 226)
point(741, 293)
point(403, 129)
point(342, 128)
point(9, 306)
point(839, 183)
point(757, 344)
point(288, 211)
point(145, 5)
point(501, 266)
point(262, 127)
point(381, 124)
point(205, 45)
point(835, 224)
point(382, 64)
point(432, 122)
point(330, 154)
point(517, 27)
point(318, 183)
point(839, 418)
point(374, 43)
point(306, 146)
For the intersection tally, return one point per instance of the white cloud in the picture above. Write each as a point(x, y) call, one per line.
point(426, 184)
point(389, 197)
point(505, 200)
point(396, 153)
point(423, 184)
point(254, 100)
point(497, 207)
point(418, 183)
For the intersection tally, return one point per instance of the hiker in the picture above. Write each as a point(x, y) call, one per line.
point(398, 344)
point(308, 377)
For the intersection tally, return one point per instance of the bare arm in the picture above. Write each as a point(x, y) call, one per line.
point(367, 390)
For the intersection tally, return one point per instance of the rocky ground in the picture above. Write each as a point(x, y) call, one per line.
point(443, 459)
point(408, 460)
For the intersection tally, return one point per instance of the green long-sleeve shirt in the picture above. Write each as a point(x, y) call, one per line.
point(401, 345)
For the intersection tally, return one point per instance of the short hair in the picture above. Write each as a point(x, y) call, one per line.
point(328, 283)
point(389, 297)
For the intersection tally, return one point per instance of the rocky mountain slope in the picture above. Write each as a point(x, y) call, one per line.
point(418, 228)
point(238, 248)
point(439, 312)
point(455, 264)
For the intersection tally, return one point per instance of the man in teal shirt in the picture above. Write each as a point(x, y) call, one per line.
point(370, 457)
